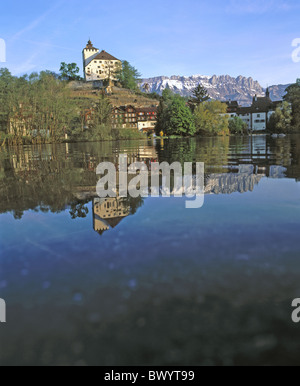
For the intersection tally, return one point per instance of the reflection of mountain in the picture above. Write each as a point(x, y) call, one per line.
point(243, 181)
point(109, 212)
point(231, 182)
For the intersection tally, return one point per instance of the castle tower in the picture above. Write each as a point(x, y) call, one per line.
point(89, 50)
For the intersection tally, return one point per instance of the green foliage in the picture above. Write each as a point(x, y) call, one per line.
point(127, 134)
point(128, 76)
point(35, 179)
point(211, 118)
point(181, 120)
point(174, 118)
point(281, 120)
point(98, 127)
point(293, 97)
point(163, 115)
point(102, 111)
point(199, 96)
point(168, 96)
point(152, 95)
point(7, 85)
point(69, 71)
point(237, 126)
point(38, 106)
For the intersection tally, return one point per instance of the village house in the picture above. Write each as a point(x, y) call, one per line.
point(146, 118)
point(257, 115)
point(124, 117)
point(142, 118)
point(99, 66)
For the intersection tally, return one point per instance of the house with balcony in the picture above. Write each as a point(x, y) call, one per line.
point(142, 118)
point(146, 118)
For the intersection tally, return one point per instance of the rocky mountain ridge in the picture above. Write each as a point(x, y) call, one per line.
point(223, 87)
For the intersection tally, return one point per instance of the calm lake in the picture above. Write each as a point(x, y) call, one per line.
point(146, 281)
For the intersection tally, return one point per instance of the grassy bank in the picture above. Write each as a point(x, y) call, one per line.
point(106, 134)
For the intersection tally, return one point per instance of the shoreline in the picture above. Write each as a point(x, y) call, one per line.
point(141, 138)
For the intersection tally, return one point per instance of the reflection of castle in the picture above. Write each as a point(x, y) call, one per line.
point(109, 212)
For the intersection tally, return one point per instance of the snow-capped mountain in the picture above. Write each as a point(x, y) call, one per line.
point(222, 87)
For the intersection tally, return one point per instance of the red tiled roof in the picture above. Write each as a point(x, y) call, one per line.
point(103, 55)
point(146, 110)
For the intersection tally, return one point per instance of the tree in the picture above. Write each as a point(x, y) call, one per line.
point(173, 115)
point(35, 108)
point(163, 115)
point(128, 76)
point(293, 97)
point(7, 82)
point(100, 125)
point(281, 120)
point(146, 87)
point(237, 126)
point(211, 118)
point(69, 72)
point(180, 119)
point(199, 95)
point(103, 111)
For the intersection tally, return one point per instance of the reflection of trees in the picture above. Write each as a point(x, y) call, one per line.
point(211, 151)
point(224, 159)
point(49, 178)
point(53, 177)
point(79, 210)
point(38, 181)
point(176, 151)
point(280, 150)
point(293, 170)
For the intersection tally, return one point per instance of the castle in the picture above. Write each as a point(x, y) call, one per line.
point(99, 66)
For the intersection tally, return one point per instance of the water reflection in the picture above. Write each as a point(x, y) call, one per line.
point(109, 212)
point(167, 286)
point(53, 178)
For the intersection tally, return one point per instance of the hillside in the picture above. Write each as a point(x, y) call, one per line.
point(118, 97)
point(222, 87)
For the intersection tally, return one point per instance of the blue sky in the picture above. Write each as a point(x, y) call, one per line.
point(159, 37)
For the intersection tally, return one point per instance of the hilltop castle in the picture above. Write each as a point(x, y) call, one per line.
point(99, 66)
